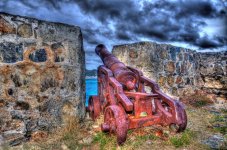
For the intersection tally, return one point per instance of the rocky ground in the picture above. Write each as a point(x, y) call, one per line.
point(207, 129)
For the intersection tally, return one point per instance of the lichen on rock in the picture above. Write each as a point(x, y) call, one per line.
point(38, 77)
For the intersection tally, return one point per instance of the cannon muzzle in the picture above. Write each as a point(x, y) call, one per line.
point(122, 74)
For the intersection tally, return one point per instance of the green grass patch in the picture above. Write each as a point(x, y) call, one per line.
point(139, 140)
point(146, 137)
point(183, 139)
point(222, 129)
point(200, 103)
point(224, 111)
point(67, 136)
point(107, 141)
point(71, 141)
point(197, 100)
point(103, 139)
point(219, 118)
point(219, 123)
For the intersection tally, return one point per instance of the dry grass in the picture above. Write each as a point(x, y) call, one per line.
point(219, 122)
point(197, 100)
point(198, 130)
point(66, 138)
point(71, 137)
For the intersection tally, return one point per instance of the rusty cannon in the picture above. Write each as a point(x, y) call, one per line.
point(129, 100)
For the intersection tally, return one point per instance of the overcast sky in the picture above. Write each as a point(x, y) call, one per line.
point(195, 24)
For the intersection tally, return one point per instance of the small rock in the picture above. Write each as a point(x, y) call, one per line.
point(162, 80)
point(215, 141)
point(6, 27)
point(133, 138)
point(179, 80)
point(220, 100)
point(87, 140)
point(13, 137)
point(16, 142)
point(25, 30)
point(39, 135)
point(64, 147)
point(2, 103)
point(133, 54)
point(166, 132)
point(11, 52)
point(214, 112)
point(1, 140)
point(95, 126)
point(170, 67)
point(31, 125)
point(12, 134)
point(170, 80)
point(44, 123)
point(149, 142)
point(17, 114)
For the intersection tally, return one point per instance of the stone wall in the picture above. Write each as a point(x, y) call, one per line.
point(42, 71)
point(178, 71)
point(212, 73)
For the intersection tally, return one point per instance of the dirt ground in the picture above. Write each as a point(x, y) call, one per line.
point(206, 129)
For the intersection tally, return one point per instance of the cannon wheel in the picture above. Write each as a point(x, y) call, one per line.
point(116, 122)
point(94, 107)
point(182, 115)
point(180, 127)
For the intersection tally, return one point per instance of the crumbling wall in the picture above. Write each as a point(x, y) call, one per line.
point(42, 71)
point(212, 72)
point(178, 71)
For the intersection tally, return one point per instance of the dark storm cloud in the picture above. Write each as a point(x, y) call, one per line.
point(200, 8)
point(123, 36)
point(124, 21)
point(179, 21)
point(49, 3)
point(104, 10)
point(205, 42)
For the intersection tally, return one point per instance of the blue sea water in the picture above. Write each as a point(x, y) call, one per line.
point(91, 88)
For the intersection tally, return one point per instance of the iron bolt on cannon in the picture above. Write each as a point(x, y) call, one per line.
point(125, 102)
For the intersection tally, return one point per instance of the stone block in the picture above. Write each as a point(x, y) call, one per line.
point(170, 67)
point(6, 27)
point(170, 80)
point(38, 74)
point(162, 80)
point(174, 51)
point(179, 80)
point(11, 52)
point(133, 54)
point(25, 30)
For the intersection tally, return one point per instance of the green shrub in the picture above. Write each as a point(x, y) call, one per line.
point(219, 124)
point(103, 139)
point(182, 140)
point(199, 100)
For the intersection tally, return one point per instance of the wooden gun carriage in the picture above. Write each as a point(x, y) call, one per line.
point(126, 103)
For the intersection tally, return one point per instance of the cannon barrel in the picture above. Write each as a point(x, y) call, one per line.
point(122, 74)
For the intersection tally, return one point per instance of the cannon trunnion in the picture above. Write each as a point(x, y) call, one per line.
point(129, 100)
